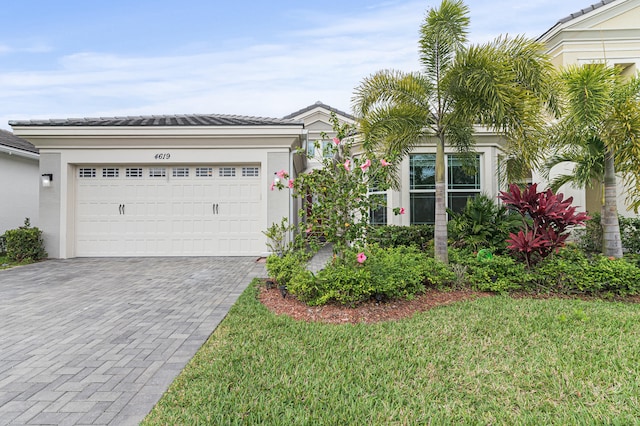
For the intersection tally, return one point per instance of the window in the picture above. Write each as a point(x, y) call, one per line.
point(180, 172)
point(324, 147)
point(157, 172)
point(250, 172)
point(227, 172)
point(462, 183)
point(87, 172)
point(204, 171)
point(110, 173)
point(378, 215)
point(133, 172)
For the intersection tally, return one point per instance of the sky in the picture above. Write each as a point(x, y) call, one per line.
point(99, 58)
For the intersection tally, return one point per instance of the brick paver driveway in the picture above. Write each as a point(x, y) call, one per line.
point(98, 341)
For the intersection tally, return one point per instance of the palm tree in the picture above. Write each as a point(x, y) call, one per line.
point(504, 84)
point(600, 134)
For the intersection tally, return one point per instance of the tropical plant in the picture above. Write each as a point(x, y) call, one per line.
point(547, 220)
point(504, 84)
point(600, 133)
point(483, 223)
point(336, 200)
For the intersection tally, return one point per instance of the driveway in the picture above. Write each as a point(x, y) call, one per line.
point(98, 341)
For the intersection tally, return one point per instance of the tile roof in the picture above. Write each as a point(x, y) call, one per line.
point(161, 120)
point(9, 139)
point(316, 105)
point(584, 11)
point(577, 14)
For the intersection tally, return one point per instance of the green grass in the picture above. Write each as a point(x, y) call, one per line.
point(494, 360)
point(5, 263)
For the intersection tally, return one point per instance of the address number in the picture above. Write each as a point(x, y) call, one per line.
point(162, 156)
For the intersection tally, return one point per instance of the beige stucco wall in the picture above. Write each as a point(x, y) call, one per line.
point(608, 34)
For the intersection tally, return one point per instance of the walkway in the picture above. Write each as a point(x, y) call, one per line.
point(98, 341)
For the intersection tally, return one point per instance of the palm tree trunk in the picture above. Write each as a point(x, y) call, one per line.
point(610, 226)
point(440, 233)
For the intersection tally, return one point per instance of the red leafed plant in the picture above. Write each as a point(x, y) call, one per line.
point(547, 219)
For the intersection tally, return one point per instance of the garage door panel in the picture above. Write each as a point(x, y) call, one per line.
point(136, 213)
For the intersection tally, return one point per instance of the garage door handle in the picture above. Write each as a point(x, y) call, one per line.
point(215, 208)
point(121, 208)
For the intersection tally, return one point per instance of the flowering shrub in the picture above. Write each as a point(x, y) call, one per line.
point(337, 200)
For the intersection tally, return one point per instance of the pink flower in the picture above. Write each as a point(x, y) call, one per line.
point(401, 210)
point(347, 165)
point(282, 174)
point(336, 141)
point(384, 162)
point(366, 165)
point(290, 183)
point(361, 257)
point(309, 229)
point(273, 185)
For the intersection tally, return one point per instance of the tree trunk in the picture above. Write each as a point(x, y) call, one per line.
point(612, 244)
point(440, 233)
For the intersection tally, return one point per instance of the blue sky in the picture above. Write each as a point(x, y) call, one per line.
point(89, 58)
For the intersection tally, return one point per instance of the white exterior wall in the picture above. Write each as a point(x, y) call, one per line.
point(61, 154)
point(19, 191)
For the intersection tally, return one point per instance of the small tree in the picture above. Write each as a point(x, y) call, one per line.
point(337, 203)
point(547, 219)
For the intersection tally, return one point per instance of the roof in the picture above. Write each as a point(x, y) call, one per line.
point(318, 104)
point(579, 13)
point(584, 11)
point(9, 139)
point(161, 120)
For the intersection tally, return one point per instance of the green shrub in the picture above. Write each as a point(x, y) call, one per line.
point(419, 236)
point(630, 234)
point(283, 268)
point(25, 244)
point(590, 238)
point(571, 271)
point(482, 224)
point(387, 273)
point(497, 274)
point(3, 245)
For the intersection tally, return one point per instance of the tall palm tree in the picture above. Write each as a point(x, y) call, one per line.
point(600, 133)
point(504, 84)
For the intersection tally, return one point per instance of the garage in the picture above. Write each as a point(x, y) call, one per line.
point(162, 185)
point(179, 210)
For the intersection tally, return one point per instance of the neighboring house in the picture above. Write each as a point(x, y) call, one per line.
point(609, 32)
point(198, 185)
point(20, 181)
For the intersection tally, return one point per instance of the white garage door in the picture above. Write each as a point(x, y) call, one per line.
point(168, 211)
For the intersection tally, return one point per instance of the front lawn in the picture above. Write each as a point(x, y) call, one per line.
point(495, 360)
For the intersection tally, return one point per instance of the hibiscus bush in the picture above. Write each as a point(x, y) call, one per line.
point(336, 196)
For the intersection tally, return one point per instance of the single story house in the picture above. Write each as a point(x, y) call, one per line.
point(198, 185)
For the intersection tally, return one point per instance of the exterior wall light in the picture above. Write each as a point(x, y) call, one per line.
point(46, 179)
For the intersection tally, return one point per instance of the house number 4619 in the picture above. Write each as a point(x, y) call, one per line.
point(162, 156)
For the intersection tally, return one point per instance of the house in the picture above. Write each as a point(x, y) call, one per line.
point(199, 185)
point(608, 32)
point(185, 185)
point(20, 181)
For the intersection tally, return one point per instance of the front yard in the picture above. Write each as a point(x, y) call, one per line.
point(494, 360)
